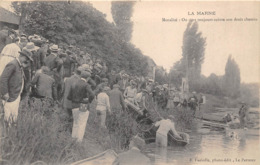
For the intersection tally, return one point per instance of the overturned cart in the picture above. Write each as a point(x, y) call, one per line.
point(147, 129)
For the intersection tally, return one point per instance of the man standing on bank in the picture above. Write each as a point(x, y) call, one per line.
point(80, 95)
point(12, 83)
point(116, 99)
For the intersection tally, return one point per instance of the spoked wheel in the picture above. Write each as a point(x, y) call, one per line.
point(144, 125)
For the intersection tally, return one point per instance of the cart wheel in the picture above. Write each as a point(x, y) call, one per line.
point(143, 127)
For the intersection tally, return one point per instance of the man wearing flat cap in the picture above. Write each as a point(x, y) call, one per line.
point(12, 83)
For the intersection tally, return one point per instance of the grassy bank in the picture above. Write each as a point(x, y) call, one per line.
point(42, 134)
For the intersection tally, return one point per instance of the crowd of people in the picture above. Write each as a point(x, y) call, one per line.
point(69, 76)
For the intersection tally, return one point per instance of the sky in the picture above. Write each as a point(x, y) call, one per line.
point(162, 41)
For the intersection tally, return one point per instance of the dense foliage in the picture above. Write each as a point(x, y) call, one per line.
point(122, 13)
point(80, 24)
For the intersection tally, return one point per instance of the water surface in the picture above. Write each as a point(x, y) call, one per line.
point(209, 146)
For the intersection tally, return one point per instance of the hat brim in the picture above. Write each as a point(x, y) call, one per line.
point(30, 58)
point(33, 49)
point(54, 50)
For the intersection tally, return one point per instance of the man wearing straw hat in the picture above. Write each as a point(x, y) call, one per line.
point(55, 64)
point(11, 85)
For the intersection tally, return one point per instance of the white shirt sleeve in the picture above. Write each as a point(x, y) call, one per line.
point(157, 124)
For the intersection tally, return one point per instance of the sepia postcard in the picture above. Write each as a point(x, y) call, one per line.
point(129, 82)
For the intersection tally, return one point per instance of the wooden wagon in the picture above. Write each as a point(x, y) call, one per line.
point(146, 121)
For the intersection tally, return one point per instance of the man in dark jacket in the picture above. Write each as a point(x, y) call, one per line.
point(116, 99)
point(45, 84)
point(69, 64)
point(11, 84)
point(112, 78)
point(55, 63)
point(66, 103)
point(42, 53)
point(80, 95)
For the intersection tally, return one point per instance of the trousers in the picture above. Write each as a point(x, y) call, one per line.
point(102, 115)
point(79, 123)
point(161, 140)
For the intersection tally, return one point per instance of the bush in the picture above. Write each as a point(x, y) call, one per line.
point(182, 116)
point(122, 127)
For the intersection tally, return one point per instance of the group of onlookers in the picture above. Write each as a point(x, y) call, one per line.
point(67, 75)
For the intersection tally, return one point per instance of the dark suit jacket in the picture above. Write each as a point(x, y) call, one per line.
point(53, 62)
point(116, 100)
point(68, 84)
point(79, 92)
point(11, 80)
point(45, 85)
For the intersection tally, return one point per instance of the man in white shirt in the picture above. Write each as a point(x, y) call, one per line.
point(103, 105)
point(165, 125)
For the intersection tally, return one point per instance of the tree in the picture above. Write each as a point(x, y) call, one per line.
point(122, 13)
point(176, 75)
point(231, 81)
point(213, 85)
point(80, 24)
point(161, 75)
point(193, 52)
